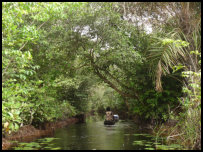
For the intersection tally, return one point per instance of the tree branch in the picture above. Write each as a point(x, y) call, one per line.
point(120, 83)
point(98, 73)
point(96, 70)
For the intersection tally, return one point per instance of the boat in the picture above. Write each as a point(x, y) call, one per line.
point(112, 122)
point(109, 122)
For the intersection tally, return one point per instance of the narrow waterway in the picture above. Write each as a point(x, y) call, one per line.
point(94, 135)
point(97, 136)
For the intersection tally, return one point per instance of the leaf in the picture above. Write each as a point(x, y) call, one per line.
point(149, 148)
point(11, 127)
point(16, 126)
point(11, 115)
point(148, 145)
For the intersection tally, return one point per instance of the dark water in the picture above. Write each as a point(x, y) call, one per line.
point(94, 135)
point(97, 136)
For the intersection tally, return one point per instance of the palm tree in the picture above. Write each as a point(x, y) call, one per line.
point(170, 48)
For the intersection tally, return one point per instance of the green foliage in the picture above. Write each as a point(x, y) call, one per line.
point(75, 91)
point(156, 105)
point(101, 96)
point(60, 84)
point(16, 89)
point(156, 143)
point(190, 120)
point(27, 96)
point(40, 144)
point(61, 59)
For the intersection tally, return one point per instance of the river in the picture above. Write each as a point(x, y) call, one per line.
point(97, 136)
point(94, 135)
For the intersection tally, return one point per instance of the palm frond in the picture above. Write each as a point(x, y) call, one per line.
point(164, 57)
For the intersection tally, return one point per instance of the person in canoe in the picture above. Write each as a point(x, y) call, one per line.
point(109, 117)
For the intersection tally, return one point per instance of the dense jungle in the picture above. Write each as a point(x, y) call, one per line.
point(64, 63)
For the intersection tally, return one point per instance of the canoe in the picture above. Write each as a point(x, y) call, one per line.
point(109, 122)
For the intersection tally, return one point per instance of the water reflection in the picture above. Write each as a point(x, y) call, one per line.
point(96, 136)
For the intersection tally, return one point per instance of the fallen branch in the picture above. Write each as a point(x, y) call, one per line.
point(169, 137)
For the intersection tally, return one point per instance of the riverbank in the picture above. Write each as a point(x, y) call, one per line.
point(29, 133)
